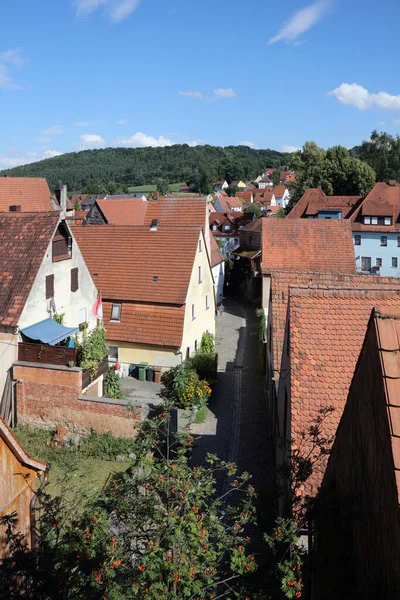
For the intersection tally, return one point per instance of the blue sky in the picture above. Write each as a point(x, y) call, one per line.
point(269, 73)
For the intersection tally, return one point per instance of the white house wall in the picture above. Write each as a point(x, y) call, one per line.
point(37, 308)
point(218, 272)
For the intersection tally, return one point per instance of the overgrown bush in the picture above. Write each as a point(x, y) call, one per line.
point(207, 344)
point(92, 350)
point(112, 385)
point(183, 387)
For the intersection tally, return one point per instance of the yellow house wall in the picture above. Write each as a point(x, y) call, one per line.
point(205, 319)
point(156, 356)
point(241, 184)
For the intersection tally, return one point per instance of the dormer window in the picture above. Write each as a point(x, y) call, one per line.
point(227, 227)
point(214, 227)
point(367, 220)
point(116, 312)
point(374, 220)
point(388, 220)
point(62, 244)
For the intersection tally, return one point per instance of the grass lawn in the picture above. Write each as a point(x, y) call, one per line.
point(201, 414)
point(79, 470)
point(149, 188)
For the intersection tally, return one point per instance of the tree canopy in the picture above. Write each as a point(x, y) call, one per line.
point(381, 152)
point(140, 166)
point(334, 170)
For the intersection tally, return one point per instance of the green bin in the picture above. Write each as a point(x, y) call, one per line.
point(142, 371)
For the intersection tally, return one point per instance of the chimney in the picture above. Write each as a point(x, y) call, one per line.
point(63, 198)
point(154, 225)
point(14, 208)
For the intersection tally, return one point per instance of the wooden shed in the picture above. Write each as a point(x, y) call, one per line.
point(18, 473)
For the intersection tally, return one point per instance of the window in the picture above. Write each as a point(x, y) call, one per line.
point(200, 280)
point(188, 352)
point(193, 312)
point(200, 246)
point(374, 220)
point(49, 287)
point(365, 263)
point(116, 312)
point(383, 240)
point(378, 262)
point(394, 262)
point(227, 227)
point(357, 240)
point(388, 220)
point(398, 240)
point(195, 345)
point(113, 353)
point(62, 244)
point(367, 220)
point(82, 315)
point(207, 301)
point(214, 227)
point(74, 279)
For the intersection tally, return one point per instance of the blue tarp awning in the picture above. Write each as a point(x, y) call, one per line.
point(49, 332)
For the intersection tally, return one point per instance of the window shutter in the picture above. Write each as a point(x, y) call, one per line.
point(74, 279)
point(49, 286)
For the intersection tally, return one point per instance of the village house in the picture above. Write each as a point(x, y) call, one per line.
point(286, 177)
point(26, 194)
point(249, 253)
point(264, 182)
point(225, 226)
point(217, 260)
point(358, 519)
point(220, 184)
point(238, 183)
point(17, 491)
point(42, 275)
point(120, 211)
point(315, 204)
point(157, 288)
point(228, 204)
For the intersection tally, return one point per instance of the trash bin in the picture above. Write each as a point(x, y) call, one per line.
point(125, 370)
point(133, 371)
point(157, 374)
point(150, 374)
point(142, 371)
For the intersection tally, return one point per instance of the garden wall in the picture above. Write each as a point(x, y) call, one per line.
point(48, 396)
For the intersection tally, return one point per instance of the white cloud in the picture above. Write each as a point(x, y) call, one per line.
point(6, 82)
point(82, 124)
point(91, 140)
point(55, 130)
point(9, 162)
point(195, 95)
point(121, 122)
point(9, 57)
point(396, 121)
point(249, 144)
point(192, 144)
point(225, 93)
point(382, 123)
point(116, 10)
point(12, 57)
point(301, 21)
point(285, 148)
point(142, 140)
point(359, 97)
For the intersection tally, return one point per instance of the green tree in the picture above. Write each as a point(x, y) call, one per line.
point(281, 213)
point(162, 187)
point(276, 177)
point(161, 530)
point(206, 180)
point(232, 190)
point(382, 153)
point(253, 209)
point(334, 170)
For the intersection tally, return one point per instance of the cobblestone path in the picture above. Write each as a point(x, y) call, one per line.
point(237, 427)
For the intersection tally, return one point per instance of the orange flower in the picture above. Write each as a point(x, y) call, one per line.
point(116, 563)
point(195, 509)
point(141, 568)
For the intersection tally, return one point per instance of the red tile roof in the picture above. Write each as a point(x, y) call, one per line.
point(154, 324)
point(228, 203)
point(181, 212)
point(237, 220)
point(124, 260)
point(24, 238)
point(314, 200)
point(382, 201)
point(31, 193)
point(388, 337)
point(327, 330)
point(314, 245)
point(216, 255)
point(126, 211)
point(279, 190)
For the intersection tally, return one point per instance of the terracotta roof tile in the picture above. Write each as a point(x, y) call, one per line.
point(31, 193)
point(24, 238)
point(124, 260)
point(313, 245)
point(327, 331)
point(314, 200)
point(125, 211)
point(181, 211)
point(153, 324)
point(216, 255)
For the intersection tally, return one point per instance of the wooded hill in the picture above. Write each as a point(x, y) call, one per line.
point(139, 166)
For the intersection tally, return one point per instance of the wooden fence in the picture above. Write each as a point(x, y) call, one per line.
point(44, 353)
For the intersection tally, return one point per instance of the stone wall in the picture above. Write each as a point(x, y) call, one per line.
point(47, 397)
point(357, 553)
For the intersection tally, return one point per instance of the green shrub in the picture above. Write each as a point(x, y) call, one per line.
point(207, 344)
point(184, 388)
point(112, 385)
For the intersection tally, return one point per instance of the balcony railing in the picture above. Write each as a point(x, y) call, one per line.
point(88, 376)
point(44, 353)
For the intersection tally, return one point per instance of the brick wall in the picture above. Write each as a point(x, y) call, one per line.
point(48, 397)
point(358, 525)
